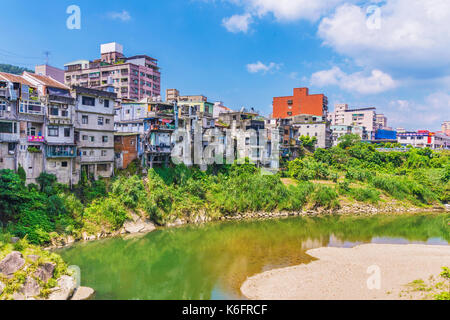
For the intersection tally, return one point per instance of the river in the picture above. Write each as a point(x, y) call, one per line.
point(212, 261)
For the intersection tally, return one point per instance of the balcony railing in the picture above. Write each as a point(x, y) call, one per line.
point(61, 152)
point(31, 107)
point(9, 137)
point(160, 149)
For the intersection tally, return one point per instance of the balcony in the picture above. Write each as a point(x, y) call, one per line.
point(31, 107)
point(61, 152)
point(9, 137)
point(36, 139)
point(159, 149)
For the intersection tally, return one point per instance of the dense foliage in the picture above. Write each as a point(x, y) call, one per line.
point(353, 170)
point(8, 68)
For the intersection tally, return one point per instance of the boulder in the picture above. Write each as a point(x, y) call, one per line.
point(2, 287)
point(31, 288)
point(12, 263)
point(45, 272)
point(83, 293)
point(66, 288)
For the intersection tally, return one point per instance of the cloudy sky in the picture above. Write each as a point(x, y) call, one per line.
point(392, 54)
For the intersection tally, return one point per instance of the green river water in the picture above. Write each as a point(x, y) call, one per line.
point(212, 261)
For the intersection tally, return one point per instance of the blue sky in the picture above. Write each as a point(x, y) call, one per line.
point(244, 52)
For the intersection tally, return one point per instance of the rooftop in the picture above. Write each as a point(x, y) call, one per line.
point(15, 79)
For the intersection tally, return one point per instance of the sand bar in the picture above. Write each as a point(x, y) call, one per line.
point(342, 273)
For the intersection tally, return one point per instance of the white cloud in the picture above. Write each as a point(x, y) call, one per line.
point(281, 10)
point(238, 23)
point(413, 36)
point(263, 68)
point(124, 16)
point(427, 115)
point(376, 82)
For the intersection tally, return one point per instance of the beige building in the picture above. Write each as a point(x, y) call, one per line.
point(362, 117)
point(381, 121)
point(94, 131)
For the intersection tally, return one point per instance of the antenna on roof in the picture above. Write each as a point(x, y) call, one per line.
point(47, 54)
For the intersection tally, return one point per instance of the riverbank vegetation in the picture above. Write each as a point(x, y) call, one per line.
point(353, 172)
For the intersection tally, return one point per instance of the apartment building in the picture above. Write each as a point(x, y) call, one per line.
point(300, 103)
point(49, 71)
point(23, 121)
point(312, 126)
point(154, 122)
point(126, 148)
point(59, 147)
point(220, 108)
point(381, 121)
point(248, 135)
point(10, 91)
point(361, 117)
point(134, 77)
point(94, 131)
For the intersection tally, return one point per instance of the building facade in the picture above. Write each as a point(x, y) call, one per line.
point(94, 131)
point(424, 139)
point(361, 117)
point(132, 78)
point(300, 103)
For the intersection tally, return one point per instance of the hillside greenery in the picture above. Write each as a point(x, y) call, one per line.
point(8, 68)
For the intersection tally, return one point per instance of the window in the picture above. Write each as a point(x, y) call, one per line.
point(66, 132)
point(289, 113)
point(88, 101)
point(105, 139)
point(103, 153)
point(100, 121)
point(65, 113)
point(92, 138)
point(64, 164)
point(54, 111)
point(91, 153)
point(53, 131)
point(106, 103)
point(84, 119)
point(107, 121)
point(85, 138)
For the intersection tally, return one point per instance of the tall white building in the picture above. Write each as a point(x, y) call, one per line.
point(361, 117)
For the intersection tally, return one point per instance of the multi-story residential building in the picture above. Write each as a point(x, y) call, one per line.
point(25, 111)
point(126, 148)
point(220, 108)
point(312, 126)
point(248, 136)
point(10, 87)
point(300, 103)
point(172, 95)
point(132, 78)
point(60, 148)
point(94, 131)
point(381, 121)
point(446, 127)
point(424, 139)
point(49, 71)
point(154, 122)
point(362, 117)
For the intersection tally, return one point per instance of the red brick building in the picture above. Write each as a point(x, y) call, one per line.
point(126, 149)
point(300, 103)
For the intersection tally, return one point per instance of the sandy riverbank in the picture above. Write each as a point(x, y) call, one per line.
point(341, 273)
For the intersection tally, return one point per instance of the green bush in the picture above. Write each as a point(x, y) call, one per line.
point(366, 195)
point(108, 213)
point(325, 196)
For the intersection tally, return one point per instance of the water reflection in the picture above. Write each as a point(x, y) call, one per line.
point(212, 262)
